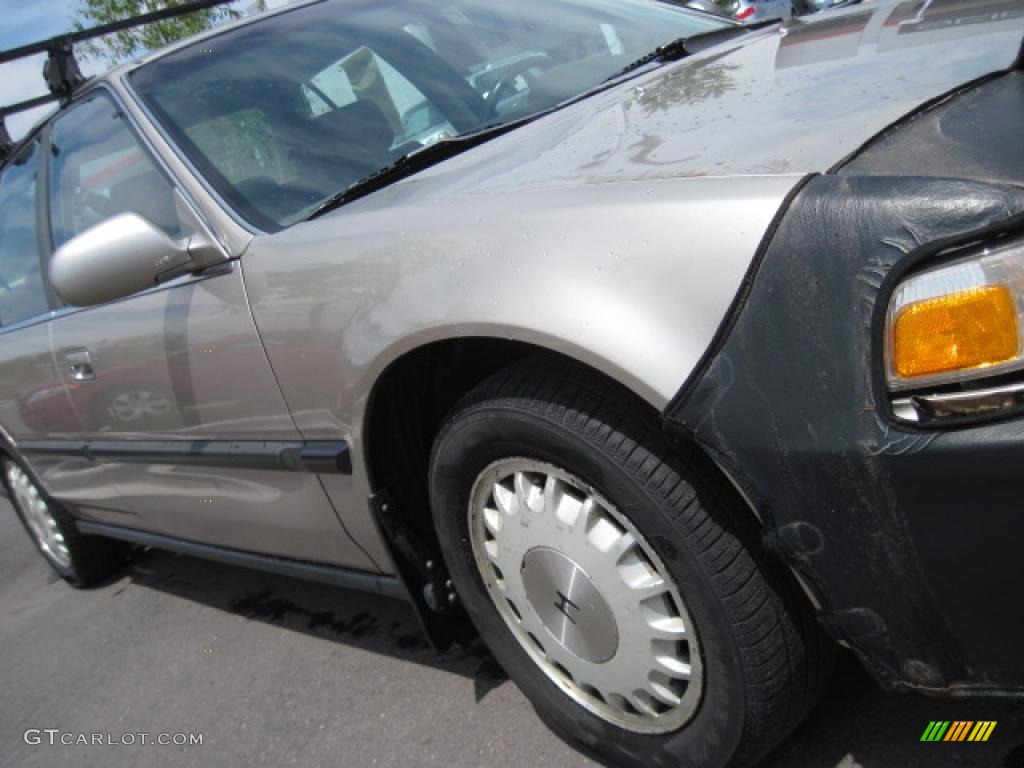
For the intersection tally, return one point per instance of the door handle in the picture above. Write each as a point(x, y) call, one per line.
point(79, 365)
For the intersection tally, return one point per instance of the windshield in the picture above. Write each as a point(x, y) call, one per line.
point(281, 114)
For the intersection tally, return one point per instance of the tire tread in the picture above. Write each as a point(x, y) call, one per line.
point(787, 661)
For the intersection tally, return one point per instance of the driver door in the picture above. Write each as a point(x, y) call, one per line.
point(178, 423)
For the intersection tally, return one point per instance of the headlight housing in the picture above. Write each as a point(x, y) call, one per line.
point(957, 322)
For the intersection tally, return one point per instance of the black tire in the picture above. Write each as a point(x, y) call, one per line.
point(91, 557)
point(766, 661)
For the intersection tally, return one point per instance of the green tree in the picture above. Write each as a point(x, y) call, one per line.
point(131, 42)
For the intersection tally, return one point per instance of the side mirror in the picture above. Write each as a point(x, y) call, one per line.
point(120, 256)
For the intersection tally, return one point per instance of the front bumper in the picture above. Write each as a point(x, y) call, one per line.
point(911, 538)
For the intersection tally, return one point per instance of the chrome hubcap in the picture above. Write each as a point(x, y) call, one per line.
point(41, 522)
point(585, 595)
point(569, 605)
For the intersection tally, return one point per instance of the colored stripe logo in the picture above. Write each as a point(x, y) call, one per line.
point(958, 730)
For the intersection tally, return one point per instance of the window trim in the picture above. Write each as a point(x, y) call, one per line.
point(44, 233)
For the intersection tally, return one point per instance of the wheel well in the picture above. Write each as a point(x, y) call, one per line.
point(408, 406)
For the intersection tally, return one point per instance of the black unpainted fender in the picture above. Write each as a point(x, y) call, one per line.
point(882, 519)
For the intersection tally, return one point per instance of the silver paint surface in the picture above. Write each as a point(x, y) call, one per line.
point(630, 278)
point(194, 346)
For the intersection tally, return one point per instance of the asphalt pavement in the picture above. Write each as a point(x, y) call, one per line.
point(277, 672)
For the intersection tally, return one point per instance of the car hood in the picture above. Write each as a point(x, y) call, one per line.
point(791, 99)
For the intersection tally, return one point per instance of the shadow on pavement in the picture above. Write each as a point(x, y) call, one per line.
point(362, 620)
point(856, 725)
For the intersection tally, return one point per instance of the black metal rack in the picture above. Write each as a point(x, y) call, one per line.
point(61, 71)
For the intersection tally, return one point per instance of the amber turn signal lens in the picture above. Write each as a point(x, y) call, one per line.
point(959, 331)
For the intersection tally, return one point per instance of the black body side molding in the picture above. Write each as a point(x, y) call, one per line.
point(319, 456)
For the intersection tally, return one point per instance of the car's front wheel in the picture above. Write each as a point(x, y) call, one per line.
point(619, 581)
point(81, 560)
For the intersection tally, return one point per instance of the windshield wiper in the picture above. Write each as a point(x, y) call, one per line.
point(671, 51)
point(414, 162)
point(687, 46)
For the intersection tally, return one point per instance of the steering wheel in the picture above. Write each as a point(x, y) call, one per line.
point(514, 70)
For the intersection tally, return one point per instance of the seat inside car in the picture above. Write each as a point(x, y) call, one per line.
point(346, 144)
point(325, 155)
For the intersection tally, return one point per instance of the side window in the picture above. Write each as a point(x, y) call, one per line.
point(98, 169)
point(22, 294)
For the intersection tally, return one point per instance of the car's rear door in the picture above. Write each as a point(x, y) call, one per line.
point(175, 403)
